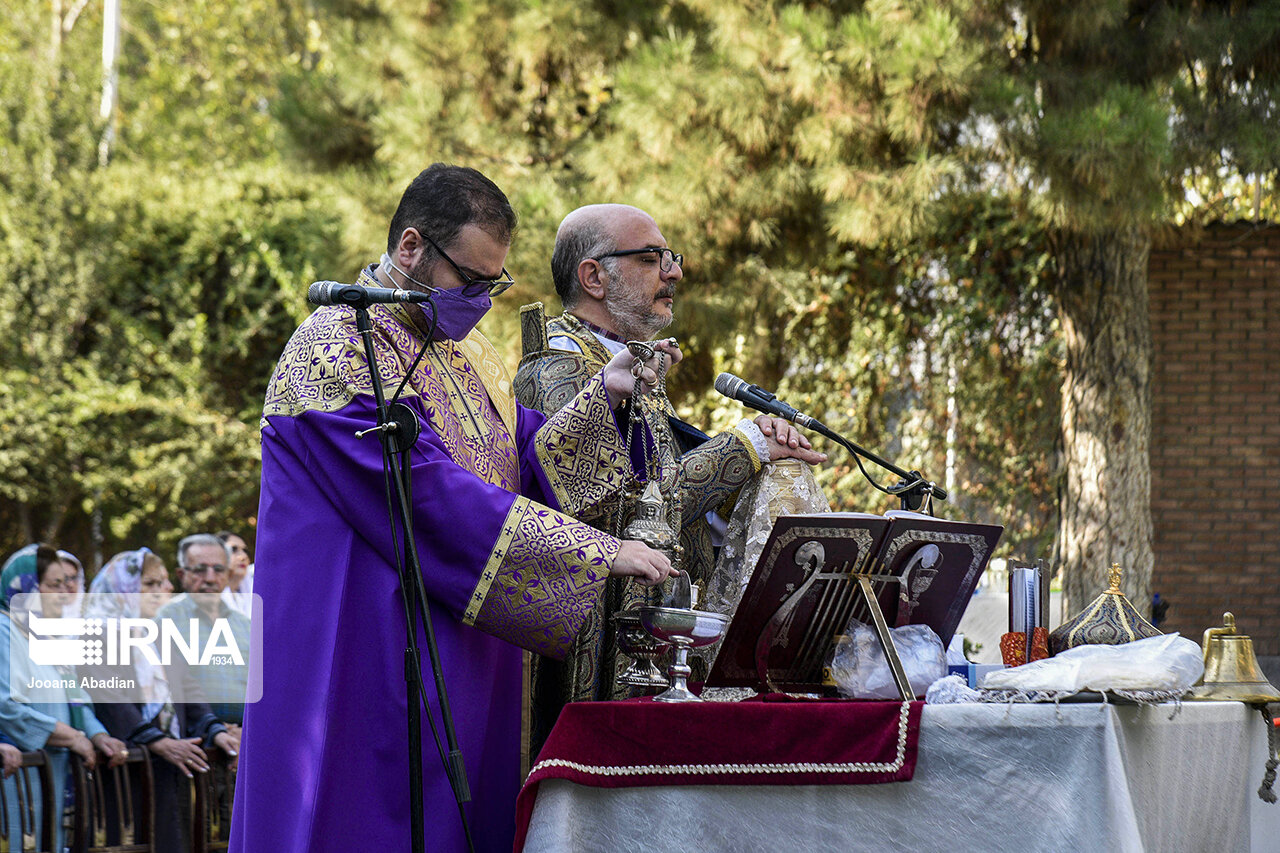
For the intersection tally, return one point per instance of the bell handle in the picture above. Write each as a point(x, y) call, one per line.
point(1226, 629)
point(1210, 634)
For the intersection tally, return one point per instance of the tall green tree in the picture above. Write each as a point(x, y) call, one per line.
point(145, 411)
point(199, 79)
point(860, 125)
point(809, 160)
point(789, 151)
point(512, 88)
point(910, 216)
point(1102, 111)
point(48, 84)
point(145, 302)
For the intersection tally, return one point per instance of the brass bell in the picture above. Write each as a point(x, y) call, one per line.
point(1231, 671)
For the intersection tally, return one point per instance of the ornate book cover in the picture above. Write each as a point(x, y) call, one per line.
point(804, 591)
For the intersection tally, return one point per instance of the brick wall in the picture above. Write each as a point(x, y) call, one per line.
point(1215, 443)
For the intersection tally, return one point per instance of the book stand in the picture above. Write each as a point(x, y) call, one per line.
point(818, 572)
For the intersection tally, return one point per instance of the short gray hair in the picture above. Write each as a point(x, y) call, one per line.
point(189, 542)
point(573, 246)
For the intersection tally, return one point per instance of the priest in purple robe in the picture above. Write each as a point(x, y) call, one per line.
point(495, 490)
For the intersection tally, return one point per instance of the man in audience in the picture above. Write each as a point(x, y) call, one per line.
point(204, 567)
point(167, 719)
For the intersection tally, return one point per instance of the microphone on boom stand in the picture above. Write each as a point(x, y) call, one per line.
point(913, 489)
point(763, 401)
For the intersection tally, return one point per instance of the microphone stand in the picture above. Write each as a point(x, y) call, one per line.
point(398, 428)
point(913, 490)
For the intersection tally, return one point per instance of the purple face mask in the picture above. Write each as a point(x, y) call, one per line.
point(457, 315)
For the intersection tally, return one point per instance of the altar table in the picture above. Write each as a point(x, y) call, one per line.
point(1079, 776)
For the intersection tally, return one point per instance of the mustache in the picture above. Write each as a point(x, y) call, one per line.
point(668, 292)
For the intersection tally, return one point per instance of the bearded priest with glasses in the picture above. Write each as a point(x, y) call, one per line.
point(617, 279)
point(495, 488)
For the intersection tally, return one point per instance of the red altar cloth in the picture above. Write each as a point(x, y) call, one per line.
point(640, 742)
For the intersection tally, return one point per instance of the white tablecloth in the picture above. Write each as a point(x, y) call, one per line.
point(1088, 777)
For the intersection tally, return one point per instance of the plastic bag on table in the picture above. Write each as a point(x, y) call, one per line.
point(861, 671)
point(1166, 663)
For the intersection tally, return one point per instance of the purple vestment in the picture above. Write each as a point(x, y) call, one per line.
point(324, 764)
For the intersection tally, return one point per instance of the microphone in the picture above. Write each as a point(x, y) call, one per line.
point(358, 296)
point(761, 400)
point(911, 491)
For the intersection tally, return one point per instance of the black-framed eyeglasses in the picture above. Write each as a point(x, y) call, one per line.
point(475, 286)
point(666, 257)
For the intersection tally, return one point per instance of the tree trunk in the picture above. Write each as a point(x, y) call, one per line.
point(1106, 415)
point(24, 523)
point(58, 507)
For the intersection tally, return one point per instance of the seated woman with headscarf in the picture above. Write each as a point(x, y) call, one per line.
point(132, 585)
point(41, 706)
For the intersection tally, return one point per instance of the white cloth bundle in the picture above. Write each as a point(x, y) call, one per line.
point(1169, 662)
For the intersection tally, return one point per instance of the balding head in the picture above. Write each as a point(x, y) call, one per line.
point(589, 232)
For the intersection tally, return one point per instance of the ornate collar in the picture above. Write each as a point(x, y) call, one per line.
point(604, 333)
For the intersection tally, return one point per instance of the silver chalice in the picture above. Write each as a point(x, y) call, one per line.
point(684, 629)
point(643, 650)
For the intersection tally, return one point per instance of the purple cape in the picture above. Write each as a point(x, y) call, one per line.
point(324, 764)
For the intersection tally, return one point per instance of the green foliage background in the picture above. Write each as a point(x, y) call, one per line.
point(867, 192)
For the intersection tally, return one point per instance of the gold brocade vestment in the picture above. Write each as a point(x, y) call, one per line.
point(706, 478)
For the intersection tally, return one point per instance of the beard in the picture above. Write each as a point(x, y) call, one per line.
point(633, 314)
point(422, 272)
point(424, 322)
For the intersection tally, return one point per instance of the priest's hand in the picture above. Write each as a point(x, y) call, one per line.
point(638, 560)
point(782, 430)
point(619, 380)
point(784, 440)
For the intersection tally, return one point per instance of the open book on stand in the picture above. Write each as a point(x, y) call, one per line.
point(805, 590)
